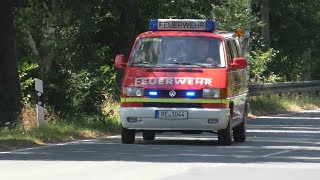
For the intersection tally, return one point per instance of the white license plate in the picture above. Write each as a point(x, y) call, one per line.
point(171, 114)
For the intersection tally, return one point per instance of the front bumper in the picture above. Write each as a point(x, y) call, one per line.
point(197, 119)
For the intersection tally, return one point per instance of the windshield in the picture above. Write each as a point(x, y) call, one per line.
point(178, 51)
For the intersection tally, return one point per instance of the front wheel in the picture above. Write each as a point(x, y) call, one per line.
point(127, 135)
point(225, 135)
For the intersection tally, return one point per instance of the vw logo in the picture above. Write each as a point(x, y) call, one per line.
point(172, 93)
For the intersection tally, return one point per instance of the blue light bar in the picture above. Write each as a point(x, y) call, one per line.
point(153, 93)
point(153, 26)
point(190, 93)
point(210, 25)
point(182, 25)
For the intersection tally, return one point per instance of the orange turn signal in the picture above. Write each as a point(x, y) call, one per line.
point(239, 32)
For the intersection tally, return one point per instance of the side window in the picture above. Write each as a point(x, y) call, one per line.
point(229, 52)
point(234, 49)
point(238, 48)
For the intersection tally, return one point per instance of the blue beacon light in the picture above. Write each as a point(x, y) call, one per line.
point(210, 25)
point(153, 26)
point(190, 93)
point(153, 93)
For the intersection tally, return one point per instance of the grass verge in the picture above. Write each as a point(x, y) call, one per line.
point(270, 105)
point(57, 131)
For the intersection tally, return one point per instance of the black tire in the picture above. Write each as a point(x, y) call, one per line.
point(127, 135)
point(225, 135)
point(149, 136)
point(240, 132)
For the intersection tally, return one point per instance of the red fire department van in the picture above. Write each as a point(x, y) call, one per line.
point(184, 76)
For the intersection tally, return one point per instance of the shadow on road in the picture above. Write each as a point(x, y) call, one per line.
point(281, 138)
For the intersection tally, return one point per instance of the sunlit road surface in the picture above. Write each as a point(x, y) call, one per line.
point(278, 147)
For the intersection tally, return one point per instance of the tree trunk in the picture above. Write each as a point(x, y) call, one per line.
point(306, 65)
point(265, 31)
point(126, 30)
point(44, 51)
point(128, 19)
point(48, 38)
point(10, 89)
point(244, 40)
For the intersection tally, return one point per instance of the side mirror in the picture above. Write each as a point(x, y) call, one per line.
point(120, 61)
point(239, 63)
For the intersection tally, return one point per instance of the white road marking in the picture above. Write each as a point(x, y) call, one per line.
point(34, 148)
point(277, 153)
point(284, 131)
point(56, 144)
point(316, 111)
point(109, 137)
point(287, 118)
point(306, 148)
point(292, 148)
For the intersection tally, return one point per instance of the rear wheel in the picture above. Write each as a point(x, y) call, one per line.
point(149, 136)
point(127, 135)
point(239, 132)
point(225, 135)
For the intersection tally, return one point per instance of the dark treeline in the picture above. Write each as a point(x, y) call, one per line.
point(71, 44)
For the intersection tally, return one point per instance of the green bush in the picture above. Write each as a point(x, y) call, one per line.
point(259, 72)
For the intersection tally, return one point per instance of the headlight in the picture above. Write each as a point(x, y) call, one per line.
point(133, 91)
point(211, 93)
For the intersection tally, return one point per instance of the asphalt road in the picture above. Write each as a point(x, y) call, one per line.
point(278, 147)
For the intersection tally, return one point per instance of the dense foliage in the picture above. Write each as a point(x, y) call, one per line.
point(70, 44)
point(74, 43)
point(294, 35)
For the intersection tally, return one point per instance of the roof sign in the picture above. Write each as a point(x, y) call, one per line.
point(182, 25)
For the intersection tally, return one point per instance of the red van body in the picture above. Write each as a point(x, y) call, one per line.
point(163, 91)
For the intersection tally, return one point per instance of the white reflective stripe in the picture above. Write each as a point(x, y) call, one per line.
point(40, 115)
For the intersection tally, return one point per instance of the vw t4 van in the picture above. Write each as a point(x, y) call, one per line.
point(185, 76)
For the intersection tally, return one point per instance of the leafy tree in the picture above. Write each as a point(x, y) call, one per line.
point(235, 14)
point(293, 30)
point(69, 42)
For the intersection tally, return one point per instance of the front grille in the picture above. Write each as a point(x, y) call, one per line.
point(179, 93)
point(173, 105)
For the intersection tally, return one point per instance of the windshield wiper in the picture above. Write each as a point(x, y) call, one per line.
point(140, 63)
point(215, 64)
point(185, 63)
point(180, 63)
point(146, 63)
